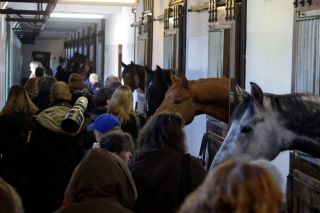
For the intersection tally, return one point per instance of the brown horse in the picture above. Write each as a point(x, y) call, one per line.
point(204, 96)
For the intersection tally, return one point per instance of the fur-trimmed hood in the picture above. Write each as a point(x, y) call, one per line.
point(51, 118)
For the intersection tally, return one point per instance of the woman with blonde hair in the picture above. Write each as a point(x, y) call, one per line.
point(239, 187)
point(15, 121)
point(121, 105)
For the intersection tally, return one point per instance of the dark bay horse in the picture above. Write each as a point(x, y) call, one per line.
point(133, 76)
point(158, 82)
point(263, 125)
point(204, 96)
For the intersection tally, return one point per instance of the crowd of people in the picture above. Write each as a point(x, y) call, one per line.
point(110, 162)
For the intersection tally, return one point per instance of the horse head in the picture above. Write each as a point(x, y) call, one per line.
point(158, 82)
point(133, 75)
point(253, 131)
point(179, 99)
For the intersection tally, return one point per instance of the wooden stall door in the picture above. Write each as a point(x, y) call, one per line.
point(226, 43)
point(303, 182)
point(174, 43)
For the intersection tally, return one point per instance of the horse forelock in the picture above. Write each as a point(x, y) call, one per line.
point(246, 104)
point(132, 68)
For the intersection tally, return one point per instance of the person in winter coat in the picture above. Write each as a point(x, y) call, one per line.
point(15, 119)
point(42, 100)
point(101, 183)
point(54, 152)
point(163, 173)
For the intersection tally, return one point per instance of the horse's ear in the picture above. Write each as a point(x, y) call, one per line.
point(240, 93)
point(158, 68)
point(256, 93)
point(147, 69)
point(132, 63)
point(123, 64)
point(184, 82)
point(174, 78)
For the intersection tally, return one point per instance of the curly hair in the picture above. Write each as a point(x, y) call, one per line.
point(238, 187)
point(163, 130)
point(18, 102)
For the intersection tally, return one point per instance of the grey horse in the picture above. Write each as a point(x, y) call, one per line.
point(263, 125)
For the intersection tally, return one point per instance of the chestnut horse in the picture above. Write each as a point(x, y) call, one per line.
point(204, 96)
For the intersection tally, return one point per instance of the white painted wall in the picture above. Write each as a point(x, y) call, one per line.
point(269, 52)
point(118, 31)
point(54, 46)
point(14, 65)
point(15, 60)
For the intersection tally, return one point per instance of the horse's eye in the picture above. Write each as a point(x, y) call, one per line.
point(177, 101)
point(246, 129)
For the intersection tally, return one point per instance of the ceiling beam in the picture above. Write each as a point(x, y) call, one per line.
point(20, 12)
point(25, 20)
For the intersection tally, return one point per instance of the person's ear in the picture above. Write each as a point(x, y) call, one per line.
point(108, 101)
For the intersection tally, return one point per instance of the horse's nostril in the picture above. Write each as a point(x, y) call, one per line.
point(246, 129)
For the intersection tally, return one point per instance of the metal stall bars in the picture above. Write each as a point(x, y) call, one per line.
point(143, 49)
point(303, 181)
point(174, 51)
point(226, 58)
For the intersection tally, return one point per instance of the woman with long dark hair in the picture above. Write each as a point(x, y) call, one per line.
point(164, 174)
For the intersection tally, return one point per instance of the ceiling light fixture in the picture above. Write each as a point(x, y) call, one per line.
point(77, 15)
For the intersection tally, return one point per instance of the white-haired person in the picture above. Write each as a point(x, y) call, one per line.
point(33, 66)
point(93, 83)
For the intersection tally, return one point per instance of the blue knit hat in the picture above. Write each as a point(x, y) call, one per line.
point(104, 123)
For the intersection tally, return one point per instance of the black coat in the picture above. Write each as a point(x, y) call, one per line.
point(14, 151)
point(53, 156)
point(42, 100)
point(158, 177)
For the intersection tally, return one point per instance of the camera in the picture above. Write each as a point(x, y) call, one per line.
point(75, 115)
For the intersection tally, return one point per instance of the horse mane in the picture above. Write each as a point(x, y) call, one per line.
point(299, 112)
point(163, 76)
